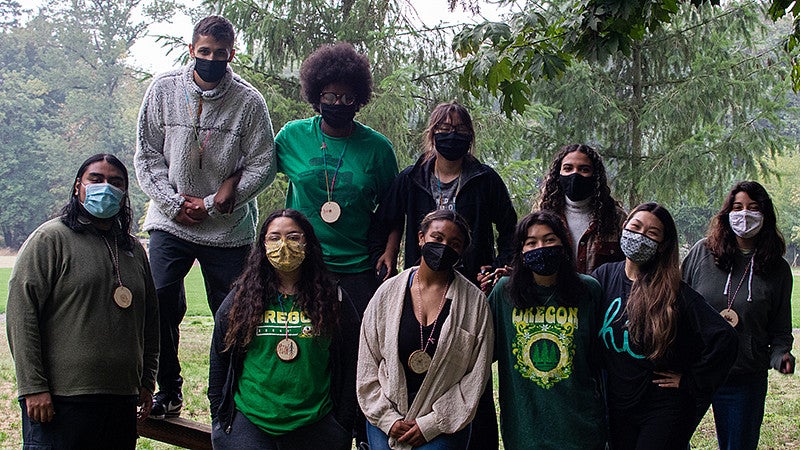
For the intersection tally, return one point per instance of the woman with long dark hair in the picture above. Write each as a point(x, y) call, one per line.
point(83, 319)
point(448, 176)
point(663, 346)
point(545, 343)
point(740, 270)
point(284, 347)
point(576, 188)
point(426, 347)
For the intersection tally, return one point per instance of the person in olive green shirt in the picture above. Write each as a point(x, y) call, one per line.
point(83, 319)
point(545, 344)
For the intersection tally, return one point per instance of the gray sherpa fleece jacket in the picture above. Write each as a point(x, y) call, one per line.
point(234, 131)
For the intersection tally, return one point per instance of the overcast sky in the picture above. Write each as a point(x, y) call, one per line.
point(150, 56)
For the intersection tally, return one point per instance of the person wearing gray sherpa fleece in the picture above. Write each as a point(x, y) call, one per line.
point(204, 152)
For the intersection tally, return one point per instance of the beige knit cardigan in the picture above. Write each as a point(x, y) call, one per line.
point(448, 396)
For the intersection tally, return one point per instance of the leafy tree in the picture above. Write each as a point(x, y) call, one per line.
point(676, 119)
point(543, 39)
point(785, 194)
point(66, 95)
point(10, 12)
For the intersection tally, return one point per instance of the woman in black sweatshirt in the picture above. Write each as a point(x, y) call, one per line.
point(663, 347)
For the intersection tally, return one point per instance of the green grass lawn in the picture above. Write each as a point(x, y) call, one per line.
point(780, 429)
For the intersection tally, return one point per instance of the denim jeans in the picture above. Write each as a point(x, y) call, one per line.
point(738, 413)
point(324, 434)
point(170, 260)
point(83, 422)
point(378, 440)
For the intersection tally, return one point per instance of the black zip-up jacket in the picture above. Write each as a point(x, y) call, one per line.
point(483, 200)
point(226, 367)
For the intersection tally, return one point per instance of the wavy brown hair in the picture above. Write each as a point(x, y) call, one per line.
point(521, 285)
point(651, 307)
point(440, 113)
point(769, 243)
point(604, 207)
point(317, 295)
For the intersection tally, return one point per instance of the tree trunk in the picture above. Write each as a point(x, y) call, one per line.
point(637, 105)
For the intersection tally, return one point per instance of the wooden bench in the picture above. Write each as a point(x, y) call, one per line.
point(178, 431)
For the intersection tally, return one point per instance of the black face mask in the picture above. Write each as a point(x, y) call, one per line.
point(338, 116)
point(452, 146)
point(210, 70)
point(439, 256)
point(544, 260)
point(576, 186)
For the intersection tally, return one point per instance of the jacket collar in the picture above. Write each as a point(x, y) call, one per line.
point(213, 94)
point(422, 171)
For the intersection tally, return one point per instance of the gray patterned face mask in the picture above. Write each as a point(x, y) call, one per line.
point(637, 247)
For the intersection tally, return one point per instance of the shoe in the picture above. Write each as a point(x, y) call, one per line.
point(166, 404)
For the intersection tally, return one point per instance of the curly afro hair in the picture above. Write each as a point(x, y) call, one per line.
point(338, 63)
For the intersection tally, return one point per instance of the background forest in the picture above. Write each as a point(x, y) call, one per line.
point(681, 98)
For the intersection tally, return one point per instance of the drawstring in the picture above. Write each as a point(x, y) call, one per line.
point(749, 283)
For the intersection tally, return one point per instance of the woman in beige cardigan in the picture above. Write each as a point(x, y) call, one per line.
point(426, 347)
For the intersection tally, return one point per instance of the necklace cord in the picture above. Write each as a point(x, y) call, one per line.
point(114, 257)
point(423, 343)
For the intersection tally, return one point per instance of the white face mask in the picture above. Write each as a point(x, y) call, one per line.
point(746, 223)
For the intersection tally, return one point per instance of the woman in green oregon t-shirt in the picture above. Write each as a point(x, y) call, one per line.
point(284, 348)
point(545, 345)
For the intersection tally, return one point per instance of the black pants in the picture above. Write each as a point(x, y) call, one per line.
point(663, 419)
point(360, 287)
point(484, 425)
point(84, 422)
point(171, 258)
point(324, 434)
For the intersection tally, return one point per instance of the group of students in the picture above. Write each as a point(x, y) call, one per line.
point(600, 336)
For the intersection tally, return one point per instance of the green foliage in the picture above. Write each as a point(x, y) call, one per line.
point(10, 12)
point(785, 194)
point(66, 95)
point(543, 39)
point(676, 119)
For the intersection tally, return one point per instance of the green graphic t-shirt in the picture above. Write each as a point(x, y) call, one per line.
point(280, 396)
point(366, 168)
point(549, 390)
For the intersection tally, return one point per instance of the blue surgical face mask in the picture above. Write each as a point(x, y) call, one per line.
point(102, 200)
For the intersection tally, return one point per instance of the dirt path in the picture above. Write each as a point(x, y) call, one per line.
point(7, 261)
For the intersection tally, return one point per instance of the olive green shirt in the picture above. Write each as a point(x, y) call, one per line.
point(67, 335)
